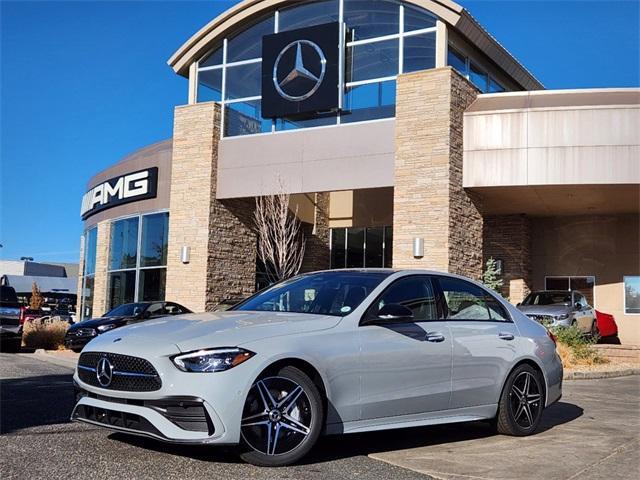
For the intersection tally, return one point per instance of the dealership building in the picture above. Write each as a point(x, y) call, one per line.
point(407, 136)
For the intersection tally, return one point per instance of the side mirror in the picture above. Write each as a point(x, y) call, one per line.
point(518, 304)
point(578, 306)
point(395, 313)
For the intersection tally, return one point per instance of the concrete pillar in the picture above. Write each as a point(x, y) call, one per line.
point(429, 201)
point(101, 280)
point(317, 255)
point(80, 278)
point(218, 234)
point(508, 238)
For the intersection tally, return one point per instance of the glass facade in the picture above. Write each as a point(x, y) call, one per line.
point(369, 247)
point(470, 70)
point(384, 38)
point(138, 259)
point(88, 273)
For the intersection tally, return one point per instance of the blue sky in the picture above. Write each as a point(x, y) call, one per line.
point(84, 83)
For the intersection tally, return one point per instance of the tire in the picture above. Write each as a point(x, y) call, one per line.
point(76, 350)
point(11, 346)
point(595, 332)
point(287, 406)
point(519, 416)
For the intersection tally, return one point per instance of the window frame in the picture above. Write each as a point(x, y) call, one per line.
point(85, 274)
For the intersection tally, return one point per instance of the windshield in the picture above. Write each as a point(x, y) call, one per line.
point(126, 310)
point(548, 298)
point(325, 293)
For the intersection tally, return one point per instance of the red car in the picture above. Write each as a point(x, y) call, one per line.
point(606, 325)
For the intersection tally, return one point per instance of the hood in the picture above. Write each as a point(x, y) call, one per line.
point(94, 322)
point(216, 329)
point(553, 310)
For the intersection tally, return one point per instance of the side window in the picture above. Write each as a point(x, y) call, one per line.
point(173, 309)
point(155, 310)
point(581, 300)
point(415, 292)
point(465, 301)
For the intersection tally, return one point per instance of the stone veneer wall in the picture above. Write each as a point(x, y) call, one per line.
point(223, 249)
point(429, 201)
point(317, 254)
point(80, 278)
point(101, 281)
point(508, 238)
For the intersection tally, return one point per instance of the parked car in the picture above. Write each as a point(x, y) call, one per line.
point(607, 327)
point(334, 352)
point(11, 320)
point(79, 334)
point(29, 314)
point(565, 308)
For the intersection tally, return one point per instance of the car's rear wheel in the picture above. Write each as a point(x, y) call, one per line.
point(282, 418)
point(521, 402)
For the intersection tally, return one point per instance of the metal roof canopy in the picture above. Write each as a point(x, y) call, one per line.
point(24, 283)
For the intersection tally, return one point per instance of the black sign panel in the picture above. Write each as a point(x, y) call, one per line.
point(300, 71)
point(130, 187)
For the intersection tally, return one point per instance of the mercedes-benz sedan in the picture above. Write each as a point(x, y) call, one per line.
point(331, 352)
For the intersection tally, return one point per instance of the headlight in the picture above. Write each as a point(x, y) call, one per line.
point(104, 328)
point(564, 316)
point(213, 360)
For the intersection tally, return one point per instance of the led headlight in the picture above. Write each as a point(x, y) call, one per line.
point(212, 360)
point(104, 328)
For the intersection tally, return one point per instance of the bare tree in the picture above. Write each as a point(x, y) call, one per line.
point(281, 242)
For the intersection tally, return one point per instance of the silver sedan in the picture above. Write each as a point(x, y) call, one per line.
point(331, 352)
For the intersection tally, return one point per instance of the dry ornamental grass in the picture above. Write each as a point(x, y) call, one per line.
point(47, 334)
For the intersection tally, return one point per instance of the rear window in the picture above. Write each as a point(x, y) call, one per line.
point(8, 294)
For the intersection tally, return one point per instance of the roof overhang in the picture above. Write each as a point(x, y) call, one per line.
point(448, 11)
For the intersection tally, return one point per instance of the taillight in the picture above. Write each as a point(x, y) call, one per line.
point(22, 312)
point(552, 337)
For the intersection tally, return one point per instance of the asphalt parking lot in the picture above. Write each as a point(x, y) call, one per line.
point(593, 433)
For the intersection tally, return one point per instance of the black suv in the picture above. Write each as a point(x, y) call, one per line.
point(10, 320)
point(79, 334)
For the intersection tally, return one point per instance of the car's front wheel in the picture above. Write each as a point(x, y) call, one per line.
point(521, 402)
point(282, 418)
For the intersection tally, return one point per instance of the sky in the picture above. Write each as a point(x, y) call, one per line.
point(83, 83)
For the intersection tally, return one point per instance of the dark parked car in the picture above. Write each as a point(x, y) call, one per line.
point(561, 308)
point(11, 320)
point(79, 334)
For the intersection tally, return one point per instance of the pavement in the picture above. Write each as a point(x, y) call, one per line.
point(592, 433)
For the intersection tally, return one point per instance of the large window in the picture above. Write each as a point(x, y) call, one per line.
point(471, 71)
point(384, 38)
point(138, 259)
point(361, 247)
point(88, 273)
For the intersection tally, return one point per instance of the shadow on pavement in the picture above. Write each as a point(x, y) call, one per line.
point(336, 447)
point(34, 401)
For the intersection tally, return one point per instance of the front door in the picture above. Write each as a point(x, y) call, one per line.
point(484, 341)
point(405, 367)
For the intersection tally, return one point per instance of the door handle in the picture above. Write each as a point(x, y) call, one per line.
point(435, 337)
point(506, 336)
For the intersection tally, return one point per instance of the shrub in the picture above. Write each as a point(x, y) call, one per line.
point(575, 349)
point(47, 334)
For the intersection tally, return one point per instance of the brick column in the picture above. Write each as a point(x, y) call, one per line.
point(80, 278)
point(508, 238)
point(316, 256)
point(429, 201)
point(222, 245)
point(101, 281)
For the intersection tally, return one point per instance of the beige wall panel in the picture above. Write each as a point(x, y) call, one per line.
point(607, 247)
point(486, 168)
point(583, 127)
point(310, 160)
point(495, 131)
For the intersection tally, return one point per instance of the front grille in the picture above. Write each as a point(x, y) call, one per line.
point(544, 319)
point(130, 374)
point(84, 332)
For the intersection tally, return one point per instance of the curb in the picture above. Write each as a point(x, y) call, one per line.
point(585, 375)
point(45, 356)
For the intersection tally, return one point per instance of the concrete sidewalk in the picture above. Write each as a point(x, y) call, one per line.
point(592, 433)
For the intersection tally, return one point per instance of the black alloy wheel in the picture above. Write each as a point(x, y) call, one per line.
point(521, 402)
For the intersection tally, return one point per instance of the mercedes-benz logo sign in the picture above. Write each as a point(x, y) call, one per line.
point(312, 55)
point(104, 372)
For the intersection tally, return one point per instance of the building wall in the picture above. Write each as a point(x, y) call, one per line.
point(606, 247)
point(101, 282)
point(508, 238)
point(370, 207)
point(429, 201)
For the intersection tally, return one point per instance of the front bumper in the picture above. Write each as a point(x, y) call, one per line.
point(10, 332)
point(74, 343)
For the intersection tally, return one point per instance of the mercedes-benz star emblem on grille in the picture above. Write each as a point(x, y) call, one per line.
point(312, 57)
point(104, 372)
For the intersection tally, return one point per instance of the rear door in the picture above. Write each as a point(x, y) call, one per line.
point(406, 367)
point(484, 341)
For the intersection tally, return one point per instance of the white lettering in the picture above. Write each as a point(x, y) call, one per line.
point(126, 186)
point(139, 182)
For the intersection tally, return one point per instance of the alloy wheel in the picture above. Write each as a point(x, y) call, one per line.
point(525, 400)
point(277, 416)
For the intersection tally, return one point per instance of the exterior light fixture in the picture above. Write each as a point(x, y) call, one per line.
point(185, 254)
point(418, 247)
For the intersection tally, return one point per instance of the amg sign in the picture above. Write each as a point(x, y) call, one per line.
point(119, 190)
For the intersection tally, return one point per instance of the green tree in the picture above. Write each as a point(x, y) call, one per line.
point(491, 276)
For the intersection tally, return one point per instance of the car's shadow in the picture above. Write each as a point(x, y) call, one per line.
point(343, 446)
